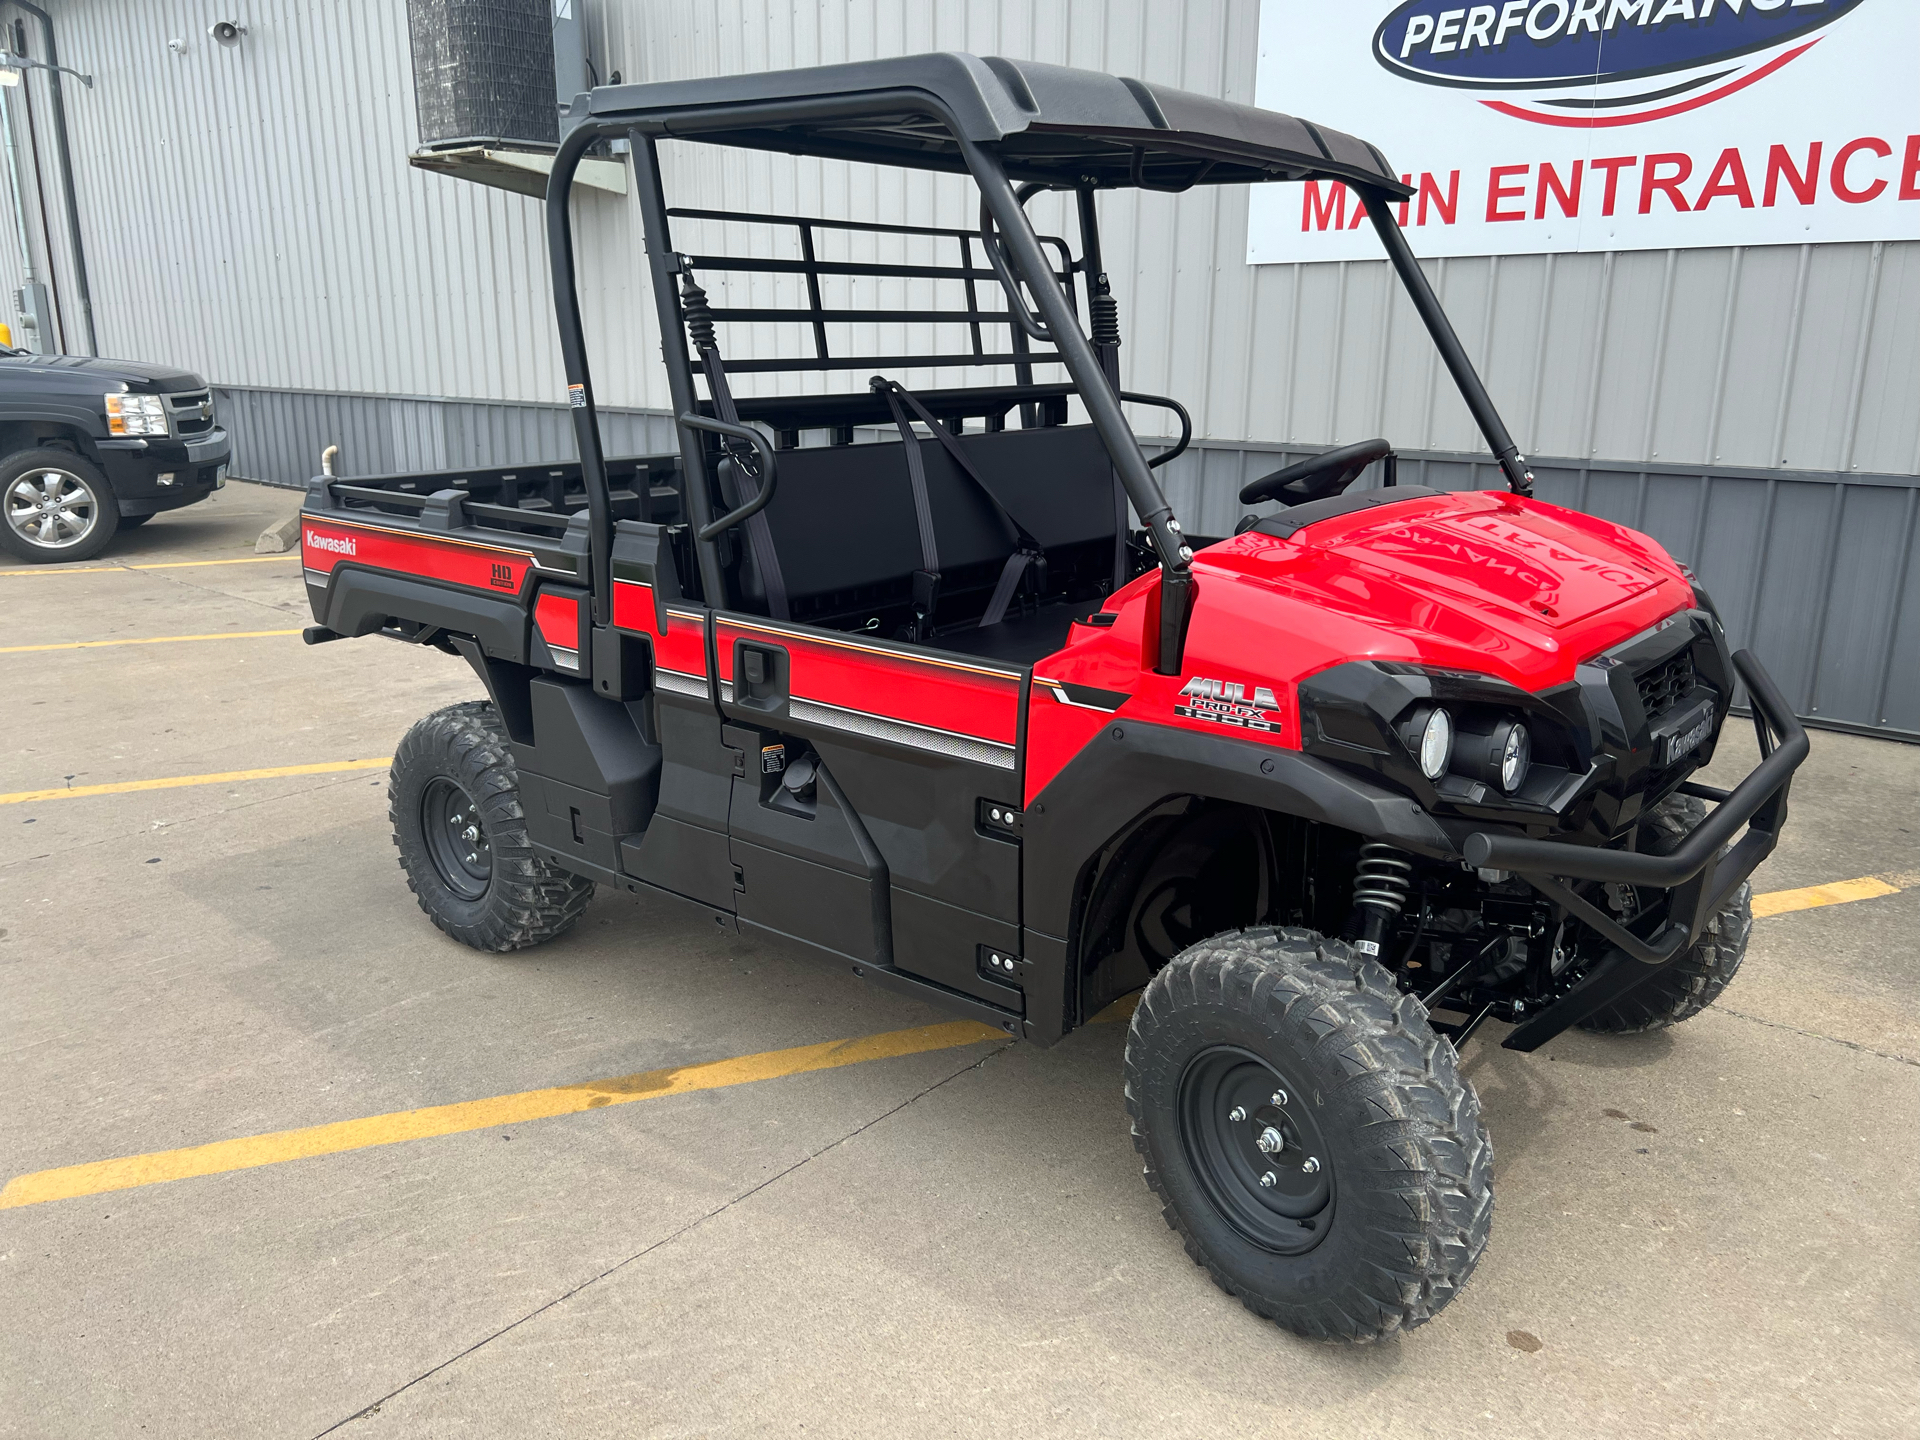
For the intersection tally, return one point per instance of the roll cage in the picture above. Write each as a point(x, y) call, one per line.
point(1016, 128)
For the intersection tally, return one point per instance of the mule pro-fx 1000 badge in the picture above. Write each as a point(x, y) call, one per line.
point(1226, 702)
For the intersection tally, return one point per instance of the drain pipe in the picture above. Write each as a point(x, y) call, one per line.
point(27, 277)
point(66, 173)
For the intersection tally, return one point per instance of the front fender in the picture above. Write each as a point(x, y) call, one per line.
point(1130, 767)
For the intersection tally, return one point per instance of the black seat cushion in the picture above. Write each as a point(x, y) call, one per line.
point(842, 516)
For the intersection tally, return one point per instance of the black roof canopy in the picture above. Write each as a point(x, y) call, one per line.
point(1046, 123)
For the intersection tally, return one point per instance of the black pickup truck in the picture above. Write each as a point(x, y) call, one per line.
point(89, 447)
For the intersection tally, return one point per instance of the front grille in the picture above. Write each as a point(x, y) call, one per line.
point(1663, 685)
point(192, 412)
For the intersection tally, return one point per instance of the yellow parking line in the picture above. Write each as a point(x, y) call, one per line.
point(148, 640)
point(173, 782)
point(1780, 902)
point(151, 565)
point(131, 1171)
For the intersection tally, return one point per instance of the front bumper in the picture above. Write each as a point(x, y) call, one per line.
point(195, 465)
point(1697, 878)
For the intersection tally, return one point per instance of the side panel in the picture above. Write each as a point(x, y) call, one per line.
point(685, 847)
point(934, 704)
point(494, 569)
point(590, 776)
point(922, 744)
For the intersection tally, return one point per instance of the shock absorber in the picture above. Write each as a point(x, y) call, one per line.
point(1381, 883)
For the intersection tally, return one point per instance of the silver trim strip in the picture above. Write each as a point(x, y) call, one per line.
point(682, 684)
point(564, 658)
point(901, 732)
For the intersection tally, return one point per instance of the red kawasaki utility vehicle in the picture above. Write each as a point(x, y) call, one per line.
point(969, 712)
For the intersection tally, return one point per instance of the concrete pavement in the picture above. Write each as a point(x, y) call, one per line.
point(1708, 1231)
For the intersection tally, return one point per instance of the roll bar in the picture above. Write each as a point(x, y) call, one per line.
point(1004, 224)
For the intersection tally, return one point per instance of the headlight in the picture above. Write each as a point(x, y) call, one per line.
point(1499, 753)
point(1429, 735)
point(136, 415)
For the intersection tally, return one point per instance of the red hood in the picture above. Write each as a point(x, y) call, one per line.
point(1478, 580)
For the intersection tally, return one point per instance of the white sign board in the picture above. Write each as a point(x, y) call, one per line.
point(1530, 126)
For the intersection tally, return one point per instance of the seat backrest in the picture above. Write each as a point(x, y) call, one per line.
point(842, 516)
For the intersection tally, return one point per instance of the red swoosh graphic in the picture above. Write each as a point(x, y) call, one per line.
point(1600, 122)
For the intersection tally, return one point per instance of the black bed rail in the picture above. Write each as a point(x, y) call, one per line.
point(539, 497)
point(817, 316)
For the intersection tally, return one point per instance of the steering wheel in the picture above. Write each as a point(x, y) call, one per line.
point(1317, 477)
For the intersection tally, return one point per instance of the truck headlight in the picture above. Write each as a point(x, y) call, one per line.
point(136, 415)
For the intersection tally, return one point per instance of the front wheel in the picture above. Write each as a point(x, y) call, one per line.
point(453, 796)
point(1308, 1134)
point(54, 506)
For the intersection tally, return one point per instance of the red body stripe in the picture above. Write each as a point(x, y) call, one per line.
point(682, 646)
point(945, 695)
point(558, 617)
point(325, 544)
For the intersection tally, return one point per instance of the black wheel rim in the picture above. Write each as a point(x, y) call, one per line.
point(1243, 1121)
point(457, 840)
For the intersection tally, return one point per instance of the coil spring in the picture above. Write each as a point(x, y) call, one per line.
point(1382, 879)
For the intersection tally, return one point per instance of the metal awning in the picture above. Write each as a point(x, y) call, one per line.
point(522, 169)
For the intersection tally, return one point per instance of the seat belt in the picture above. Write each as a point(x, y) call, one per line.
point(1028, 555)
point(736, 467)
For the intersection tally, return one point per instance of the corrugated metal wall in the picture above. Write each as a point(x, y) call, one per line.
point(249, 213)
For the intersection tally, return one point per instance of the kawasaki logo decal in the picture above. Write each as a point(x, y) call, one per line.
point(338, 544)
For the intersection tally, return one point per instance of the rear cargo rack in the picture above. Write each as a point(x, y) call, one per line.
point(539, 498)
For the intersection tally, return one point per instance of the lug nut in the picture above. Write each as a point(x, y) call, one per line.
point(1311, 1166)
point(1269, 1180)
point(1237, 1114)
point(1279, 1097)
point(1271, 1141)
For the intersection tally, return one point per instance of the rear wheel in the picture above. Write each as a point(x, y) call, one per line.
point(454, 799)
point(1308, 1134)
point(1682, 988)
point(54, 506)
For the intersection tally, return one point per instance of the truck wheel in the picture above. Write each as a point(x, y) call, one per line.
point(454, 799)
point(1308, 1134)
point(1682, 988)
point(56, 507)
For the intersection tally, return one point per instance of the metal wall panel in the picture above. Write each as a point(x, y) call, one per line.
point(267, 231)
point(249, 213)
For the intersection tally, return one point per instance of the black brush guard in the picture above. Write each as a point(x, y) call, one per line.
point(1698, 877)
